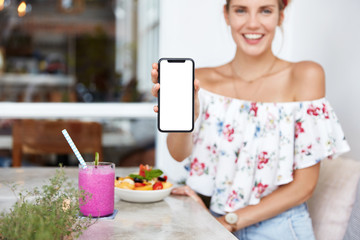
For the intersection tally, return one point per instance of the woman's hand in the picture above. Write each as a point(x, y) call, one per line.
point(187, 191)
point(229, 227)
point(156, 87)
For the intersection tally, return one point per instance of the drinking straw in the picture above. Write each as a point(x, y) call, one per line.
point(73, 147)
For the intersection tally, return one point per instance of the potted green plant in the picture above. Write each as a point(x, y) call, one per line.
point(51, 212)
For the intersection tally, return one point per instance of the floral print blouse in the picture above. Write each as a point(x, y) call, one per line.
point(244, 150)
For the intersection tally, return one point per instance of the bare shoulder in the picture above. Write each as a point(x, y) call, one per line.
point(309, 80)
point(202, 72)
point(207, 76)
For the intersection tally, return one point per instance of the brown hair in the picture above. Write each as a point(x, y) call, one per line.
point(282, 4)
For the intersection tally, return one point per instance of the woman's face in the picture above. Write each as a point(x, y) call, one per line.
point(253, 24)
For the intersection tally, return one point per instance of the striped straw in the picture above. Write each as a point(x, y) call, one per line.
point(73, 147)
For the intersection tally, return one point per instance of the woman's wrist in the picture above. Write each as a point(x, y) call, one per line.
point(180, 145)
point(232, 219)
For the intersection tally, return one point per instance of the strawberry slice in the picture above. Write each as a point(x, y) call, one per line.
point(137, 184)
point(143, 168)
point(158, 186)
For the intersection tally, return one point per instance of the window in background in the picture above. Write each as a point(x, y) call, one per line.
point(81, 51)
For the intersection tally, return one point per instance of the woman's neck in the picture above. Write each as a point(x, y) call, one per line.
point(249, 68)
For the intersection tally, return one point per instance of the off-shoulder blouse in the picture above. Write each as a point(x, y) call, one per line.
point(244, 150)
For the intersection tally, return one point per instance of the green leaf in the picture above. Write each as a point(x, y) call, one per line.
point(136, 176)
point(154, 173)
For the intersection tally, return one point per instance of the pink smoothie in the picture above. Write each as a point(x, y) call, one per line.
point(100, 183)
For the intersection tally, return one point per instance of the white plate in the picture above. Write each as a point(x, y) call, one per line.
point(141, 196)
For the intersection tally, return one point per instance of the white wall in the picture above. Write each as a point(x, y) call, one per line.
point(196, 29)
point(324, 31)
point(327, 31)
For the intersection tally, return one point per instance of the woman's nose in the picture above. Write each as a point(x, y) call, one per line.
point(253, 21)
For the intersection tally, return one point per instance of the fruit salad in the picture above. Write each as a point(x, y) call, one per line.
point(146, 179)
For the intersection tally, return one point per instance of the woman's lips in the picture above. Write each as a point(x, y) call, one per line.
point(253, 38)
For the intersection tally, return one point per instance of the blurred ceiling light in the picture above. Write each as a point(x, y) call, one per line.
point(22, 9)
point(2, 4)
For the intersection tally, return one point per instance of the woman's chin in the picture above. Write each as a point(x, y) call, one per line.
point(251, 50)
point(254, 52)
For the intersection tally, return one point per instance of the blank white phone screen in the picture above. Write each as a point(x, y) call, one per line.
point(176, 95)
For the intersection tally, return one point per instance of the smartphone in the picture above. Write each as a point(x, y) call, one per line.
point(176, 95)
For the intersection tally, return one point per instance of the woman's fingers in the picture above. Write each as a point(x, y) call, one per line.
point(186, 190)
point(156, 87)
point(192, 194)
point(155, 66)
point(154, 79)
point(179, 190)
point(154, 73)
point(155, 90)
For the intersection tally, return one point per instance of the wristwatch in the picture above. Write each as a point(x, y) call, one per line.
point(231, 218)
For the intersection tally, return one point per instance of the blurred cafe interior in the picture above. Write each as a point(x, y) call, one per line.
point(77, 51)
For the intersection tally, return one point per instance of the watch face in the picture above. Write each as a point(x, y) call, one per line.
point(231, 218)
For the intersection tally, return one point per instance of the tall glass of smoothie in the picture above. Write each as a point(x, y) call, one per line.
point(98, 183)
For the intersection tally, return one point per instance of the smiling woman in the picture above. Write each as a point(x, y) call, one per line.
point(262, 129)
point(253, 32)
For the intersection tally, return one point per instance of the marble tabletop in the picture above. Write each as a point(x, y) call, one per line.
point(176, 217)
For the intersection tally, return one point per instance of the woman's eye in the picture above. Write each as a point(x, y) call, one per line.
point(240, 10)
point(266, 11)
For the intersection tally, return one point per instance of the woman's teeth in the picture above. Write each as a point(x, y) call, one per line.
point(253, 36)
